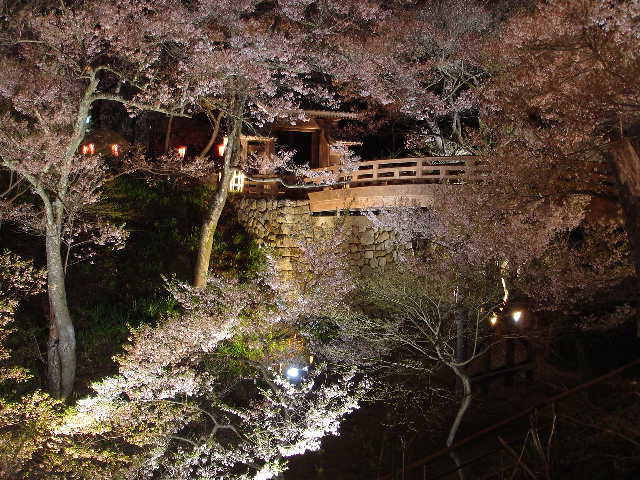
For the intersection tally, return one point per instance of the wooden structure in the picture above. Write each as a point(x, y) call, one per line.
point(311, 139)
point(391, 182)
point(375, 184)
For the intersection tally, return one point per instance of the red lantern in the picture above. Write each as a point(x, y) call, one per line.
point(221, 148)
point(88, 149)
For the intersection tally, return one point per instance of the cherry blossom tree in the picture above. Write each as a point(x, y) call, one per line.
point(266, 62)
point(57, 62)
point(420, 67)
point(203, 394)
point(427, 315)
point(29, 445)
point(563, 93)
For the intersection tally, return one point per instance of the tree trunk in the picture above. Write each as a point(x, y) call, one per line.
point(167, 135)
point(210, 222)
point(626, 164)
point(61, 348)
point(440, 141)
point(462, 409)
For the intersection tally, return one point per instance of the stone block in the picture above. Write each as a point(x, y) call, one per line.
point(286, 229)
point(283, 264)
point(366, 237)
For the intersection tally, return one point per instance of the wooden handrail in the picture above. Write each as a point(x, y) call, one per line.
point(434, 169)
point(416, 170)
point(430, 458)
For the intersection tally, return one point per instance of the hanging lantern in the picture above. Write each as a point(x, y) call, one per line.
point(115, 150)
point(222, 147)
point(88, 149)
point(182, 151)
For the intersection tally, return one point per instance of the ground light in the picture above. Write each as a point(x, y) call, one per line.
point(293, 372)
point(516, 316)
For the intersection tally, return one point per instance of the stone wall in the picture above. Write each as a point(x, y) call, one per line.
point(282, 224)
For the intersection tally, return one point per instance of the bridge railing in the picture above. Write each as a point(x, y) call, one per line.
point(406, 170)
point(423, 170)
point(488, 453)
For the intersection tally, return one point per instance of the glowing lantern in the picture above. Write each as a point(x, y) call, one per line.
point(182, 151)
point(115, 150)
point(517, 315)
point(88, 149)
point(493, 320)
point(222, 147)
point(237, 181)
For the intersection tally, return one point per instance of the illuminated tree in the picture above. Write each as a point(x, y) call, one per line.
point(563, 93)
point(30, 448)
point(56, 64)
point(425, 316)
point(203, 394)
point(264, 62)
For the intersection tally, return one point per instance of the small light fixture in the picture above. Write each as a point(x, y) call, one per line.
point(237, 181)
point(293, 372)
point(493, 320)
point(517, 315)
point(182, 151)
point(115, 150)
point(88, 149)
point(222, 147)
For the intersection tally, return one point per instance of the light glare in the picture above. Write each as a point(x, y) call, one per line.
point(293, 372)
point(517, 315)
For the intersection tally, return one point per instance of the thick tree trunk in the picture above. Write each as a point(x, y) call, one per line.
point(210, 222)
point(61, 346)
point(626, 164)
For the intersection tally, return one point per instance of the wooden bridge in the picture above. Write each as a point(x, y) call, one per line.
point(380, 183)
